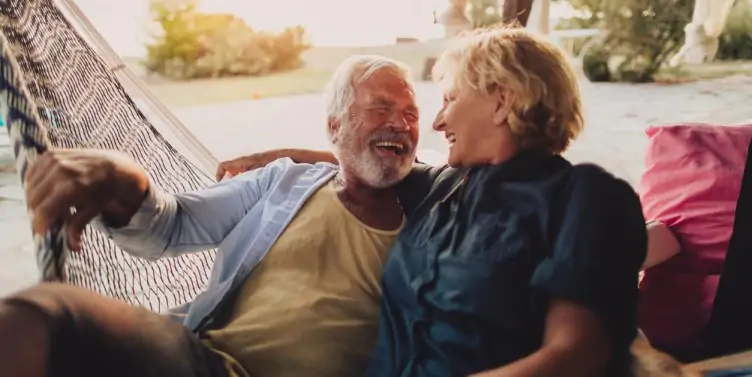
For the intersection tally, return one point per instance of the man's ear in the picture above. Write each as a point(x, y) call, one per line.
point(504, 99)
point(334, 126)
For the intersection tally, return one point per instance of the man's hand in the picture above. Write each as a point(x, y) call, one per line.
point(243, 164)
point(72, 187)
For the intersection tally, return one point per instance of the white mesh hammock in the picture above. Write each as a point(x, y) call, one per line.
point(62, 86)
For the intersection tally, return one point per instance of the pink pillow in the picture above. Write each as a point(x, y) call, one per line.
point(691, 183)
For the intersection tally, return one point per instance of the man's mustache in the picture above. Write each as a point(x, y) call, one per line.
point(394, 137)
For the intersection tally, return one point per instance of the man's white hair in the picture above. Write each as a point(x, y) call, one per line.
point(353, 71)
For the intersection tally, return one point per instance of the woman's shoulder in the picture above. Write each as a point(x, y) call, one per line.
point(425, 182)
point(592, 179)
point(432, 173)
point(591, 193)
point(586, 172)
point(431, 178)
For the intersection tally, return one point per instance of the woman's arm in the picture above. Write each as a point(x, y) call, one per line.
point(575, 343)
point(259, 160)
point(589, 278)
point(662, 245)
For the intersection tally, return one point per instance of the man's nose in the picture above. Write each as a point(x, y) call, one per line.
point(399, 123)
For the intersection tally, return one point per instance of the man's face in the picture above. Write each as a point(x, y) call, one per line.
point(377, 139)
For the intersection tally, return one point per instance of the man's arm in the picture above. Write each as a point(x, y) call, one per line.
point(169, 225)
point(259, 160)
point(411, 191)
point(76, 187)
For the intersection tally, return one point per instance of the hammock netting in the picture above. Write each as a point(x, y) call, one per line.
point(58, 92)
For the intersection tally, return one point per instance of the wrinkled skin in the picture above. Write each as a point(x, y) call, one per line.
point(91, 181)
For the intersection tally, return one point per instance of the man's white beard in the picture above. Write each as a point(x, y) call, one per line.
point(369, 167)
point(374, 173)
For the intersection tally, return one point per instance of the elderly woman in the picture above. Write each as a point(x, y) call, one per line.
point(514, 262)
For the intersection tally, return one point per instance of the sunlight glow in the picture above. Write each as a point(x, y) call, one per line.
point(336, 22)
point(328, 22)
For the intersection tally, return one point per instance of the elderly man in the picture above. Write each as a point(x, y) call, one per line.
point(295, 287)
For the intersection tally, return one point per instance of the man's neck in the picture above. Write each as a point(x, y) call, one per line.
point(376, 207)
point(358, 192)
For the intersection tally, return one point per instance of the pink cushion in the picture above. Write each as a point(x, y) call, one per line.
point(691, 183)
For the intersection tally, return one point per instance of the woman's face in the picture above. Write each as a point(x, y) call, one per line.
point(474, 124)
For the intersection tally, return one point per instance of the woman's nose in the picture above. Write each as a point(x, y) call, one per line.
point(438, 123)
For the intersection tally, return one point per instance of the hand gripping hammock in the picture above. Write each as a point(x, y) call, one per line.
point(61, 86)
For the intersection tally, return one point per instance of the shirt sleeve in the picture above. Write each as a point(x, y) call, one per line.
point(169, 225)
point(416, 186)
point(597, 248)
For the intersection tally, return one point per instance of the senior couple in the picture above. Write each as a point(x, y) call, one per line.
point(510, 261)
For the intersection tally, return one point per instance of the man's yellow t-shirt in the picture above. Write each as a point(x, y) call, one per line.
point(311, 307)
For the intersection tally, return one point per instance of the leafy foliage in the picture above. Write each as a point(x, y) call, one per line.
point(736, 41)
point(641, 35)
point(191, 44)
point(644, 34)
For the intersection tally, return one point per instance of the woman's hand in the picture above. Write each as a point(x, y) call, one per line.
point(649, 362)
point(662, 245)
point(575, 344)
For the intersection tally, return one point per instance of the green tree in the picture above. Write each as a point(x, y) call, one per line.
point(641, 35)
point(191, 44)
point(736, 41)
point(177, 40)
point(645, 33)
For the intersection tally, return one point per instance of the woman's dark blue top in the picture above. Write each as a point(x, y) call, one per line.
point(467, 283)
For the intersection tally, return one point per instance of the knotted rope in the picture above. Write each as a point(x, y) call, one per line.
point(60, 89)
point(29, 140)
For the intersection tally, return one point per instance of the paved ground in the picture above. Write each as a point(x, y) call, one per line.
point(618, 115)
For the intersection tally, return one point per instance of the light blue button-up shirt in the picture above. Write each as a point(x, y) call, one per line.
point(241, 217)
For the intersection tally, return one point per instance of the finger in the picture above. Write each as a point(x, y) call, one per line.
point(39, 188)
point(220, 171)
point(36, 167)
point(244, 166)
point(77, 223)
point(54, 208)
point(47, 216)
point(37, 171)
point(233, 171)
point(45, 223)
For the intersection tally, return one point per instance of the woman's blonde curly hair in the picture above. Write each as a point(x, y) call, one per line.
point(546, 110)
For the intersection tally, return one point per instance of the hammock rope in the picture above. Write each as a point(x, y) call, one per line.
point(28, 141)
point(57, 91)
